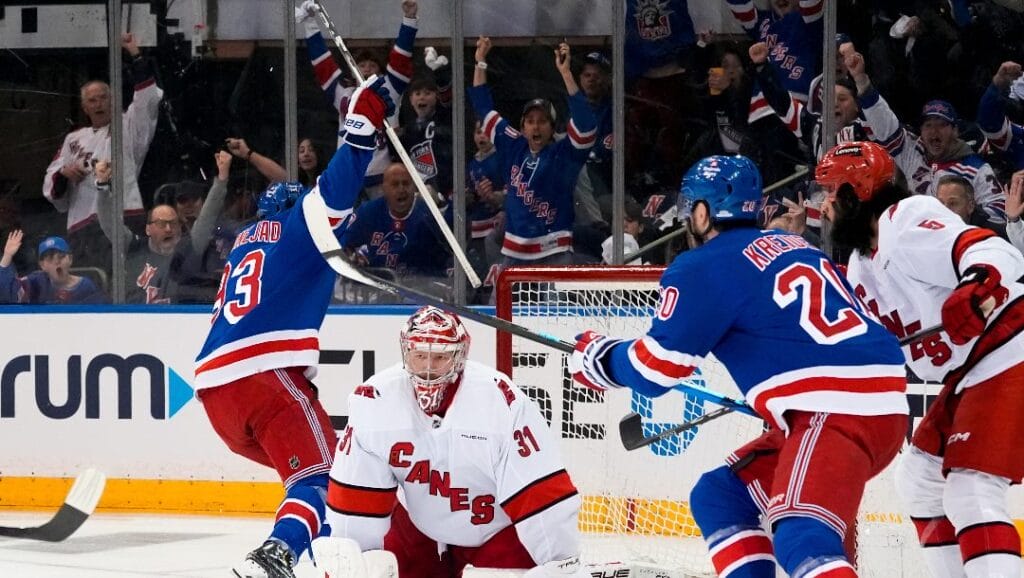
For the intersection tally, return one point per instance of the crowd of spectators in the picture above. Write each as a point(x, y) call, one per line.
point(936, 82)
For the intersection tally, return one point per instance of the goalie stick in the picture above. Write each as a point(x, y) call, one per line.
point(631, 427)
point(78, 505)
point(315, 211)
point(328, 25)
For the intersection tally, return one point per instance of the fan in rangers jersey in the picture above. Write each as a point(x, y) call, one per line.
point(835, 385)
point(916, 263)
point(542, 173)
point(481, 475)
point(253, 372)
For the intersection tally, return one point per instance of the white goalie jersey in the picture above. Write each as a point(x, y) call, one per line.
point(923, 248)
point(490, 462)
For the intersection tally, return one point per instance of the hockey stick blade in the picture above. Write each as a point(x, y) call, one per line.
point(631, 428)
point(80, 503)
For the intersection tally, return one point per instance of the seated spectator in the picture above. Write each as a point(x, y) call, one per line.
point(957, 194)
point(937, 152)
point(147, 259)
point(53, 283)
point(188, 202)
point(310, 166)
point(539, 210)
point(397, 231)
point(198, 261)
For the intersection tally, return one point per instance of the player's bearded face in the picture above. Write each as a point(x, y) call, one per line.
point(851, 224)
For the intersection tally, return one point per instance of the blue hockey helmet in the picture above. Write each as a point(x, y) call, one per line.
point(730, 185)
point(278, 197)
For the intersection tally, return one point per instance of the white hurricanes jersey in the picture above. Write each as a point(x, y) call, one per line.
point(923, 249)
point(489, 463)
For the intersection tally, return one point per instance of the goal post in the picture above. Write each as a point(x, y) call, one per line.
point(636, 504)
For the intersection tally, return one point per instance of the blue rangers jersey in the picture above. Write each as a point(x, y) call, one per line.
point(539, 204)
point(658, 32)
point(781, 318)
point(276, 287)
point(410, 244)
point(482, 215)
point(794, 40)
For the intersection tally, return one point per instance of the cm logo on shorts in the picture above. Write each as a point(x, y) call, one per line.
point(88, 381)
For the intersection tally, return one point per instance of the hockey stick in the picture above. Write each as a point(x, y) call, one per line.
point(631, 427)
point(460, 256)
point(315, 211)
point(78, 505)
point(800, 172)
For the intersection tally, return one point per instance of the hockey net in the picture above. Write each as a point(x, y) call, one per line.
point(635, 504)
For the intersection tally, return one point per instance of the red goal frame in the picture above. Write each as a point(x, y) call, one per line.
point(593, 273)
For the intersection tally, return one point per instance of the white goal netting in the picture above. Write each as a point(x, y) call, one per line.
point(636, 503)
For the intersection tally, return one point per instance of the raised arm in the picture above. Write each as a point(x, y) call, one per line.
point(267, 166)
point(563, 64)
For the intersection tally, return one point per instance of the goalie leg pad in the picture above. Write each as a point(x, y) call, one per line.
point(920, 487)
point(342, 558)
point(730, 522)
point(807, 548)
point(976, 505)
point(300, 516)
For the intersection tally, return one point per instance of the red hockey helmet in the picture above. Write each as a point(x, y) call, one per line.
point(865, 166)
point(435, 345)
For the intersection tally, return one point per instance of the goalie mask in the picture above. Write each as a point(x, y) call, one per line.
point(434, 348)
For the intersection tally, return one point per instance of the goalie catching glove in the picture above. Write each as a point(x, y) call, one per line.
point(368, 106)
point(343, 558)
point(587, 362)
point(967, 309)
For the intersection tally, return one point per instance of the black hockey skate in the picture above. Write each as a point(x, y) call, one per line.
point(271, 560)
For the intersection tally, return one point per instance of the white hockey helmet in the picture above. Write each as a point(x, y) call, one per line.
point(434, 348)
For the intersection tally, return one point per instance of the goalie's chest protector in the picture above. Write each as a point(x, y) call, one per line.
point(447, 466)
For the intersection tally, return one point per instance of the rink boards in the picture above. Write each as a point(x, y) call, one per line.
point(112, 389)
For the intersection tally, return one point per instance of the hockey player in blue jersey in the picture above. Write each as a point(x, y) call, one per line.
point(253, 373)
point(828, 380)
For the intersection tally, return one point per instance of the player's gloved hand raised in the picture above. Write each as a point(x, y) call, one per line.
point(305, 15)
point(368, 108)
point(967, 309)
point(587, 363)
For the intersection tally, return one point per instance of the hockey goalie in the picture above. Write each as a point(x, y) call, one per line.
point(482, 480)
